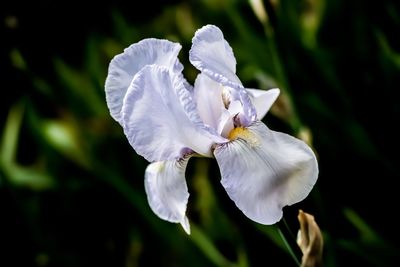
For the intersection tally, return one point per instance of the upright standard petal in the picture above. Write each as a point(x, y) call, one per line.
point(226, 123)
point(125, 66)
point(263, 171)
point(167, 192)
point(263, 100)
point(212, 55)
point(208, 97)
point(160, 118)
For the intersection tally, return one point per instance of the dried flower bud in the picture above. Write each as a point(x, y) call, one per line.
point(310, 241)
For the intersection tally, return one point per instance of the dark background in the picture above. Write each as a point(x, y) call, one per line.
point(71, 187)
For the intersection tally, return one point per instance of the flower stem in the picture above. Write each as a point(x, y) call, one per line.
point(290, 241)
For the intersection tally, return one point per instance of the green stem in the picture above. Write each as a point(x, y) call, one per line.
point(290, 241)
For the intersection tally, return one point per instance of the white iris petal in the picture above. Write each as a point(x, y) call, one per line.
point(208, 97)
point(167, 121)
point(125, 66)
point(263, 100)
point(212, 55)
point(263, 171)
point(167, 191)
point(160, 119)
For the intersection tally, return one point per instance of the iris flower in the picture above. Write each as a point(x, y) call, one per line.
point(168, 121)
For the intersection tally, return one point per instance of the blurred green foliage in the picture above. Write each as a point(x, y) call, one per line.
point(71, 187)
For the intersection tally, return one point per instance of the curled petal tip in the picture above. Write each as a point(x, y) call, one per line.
point(185, 225)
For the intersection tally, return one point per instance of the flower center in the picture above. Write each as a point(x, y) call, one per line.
point(238, 132)
point(245, 134)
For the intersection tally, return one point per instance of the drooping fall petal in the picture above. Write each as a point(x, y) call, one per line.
point(263, 171)
point(167, 191)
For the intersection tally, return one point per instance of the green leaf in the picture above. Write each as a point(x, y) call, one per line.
point(18, 60)
point(80, 90)
point(367, 234)
point(32, 176)
point(9, 141)
point(62, 135)
point(387, 50)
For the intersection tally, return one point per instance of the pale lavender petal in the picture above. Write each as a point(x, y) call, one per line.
point(249, 114)
point(167, 192)
point(263, 171)
point(213, 56)
point(208, 97)
point(263, 100)
point(226, 123)
point(126, 65)
point(160, 117)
